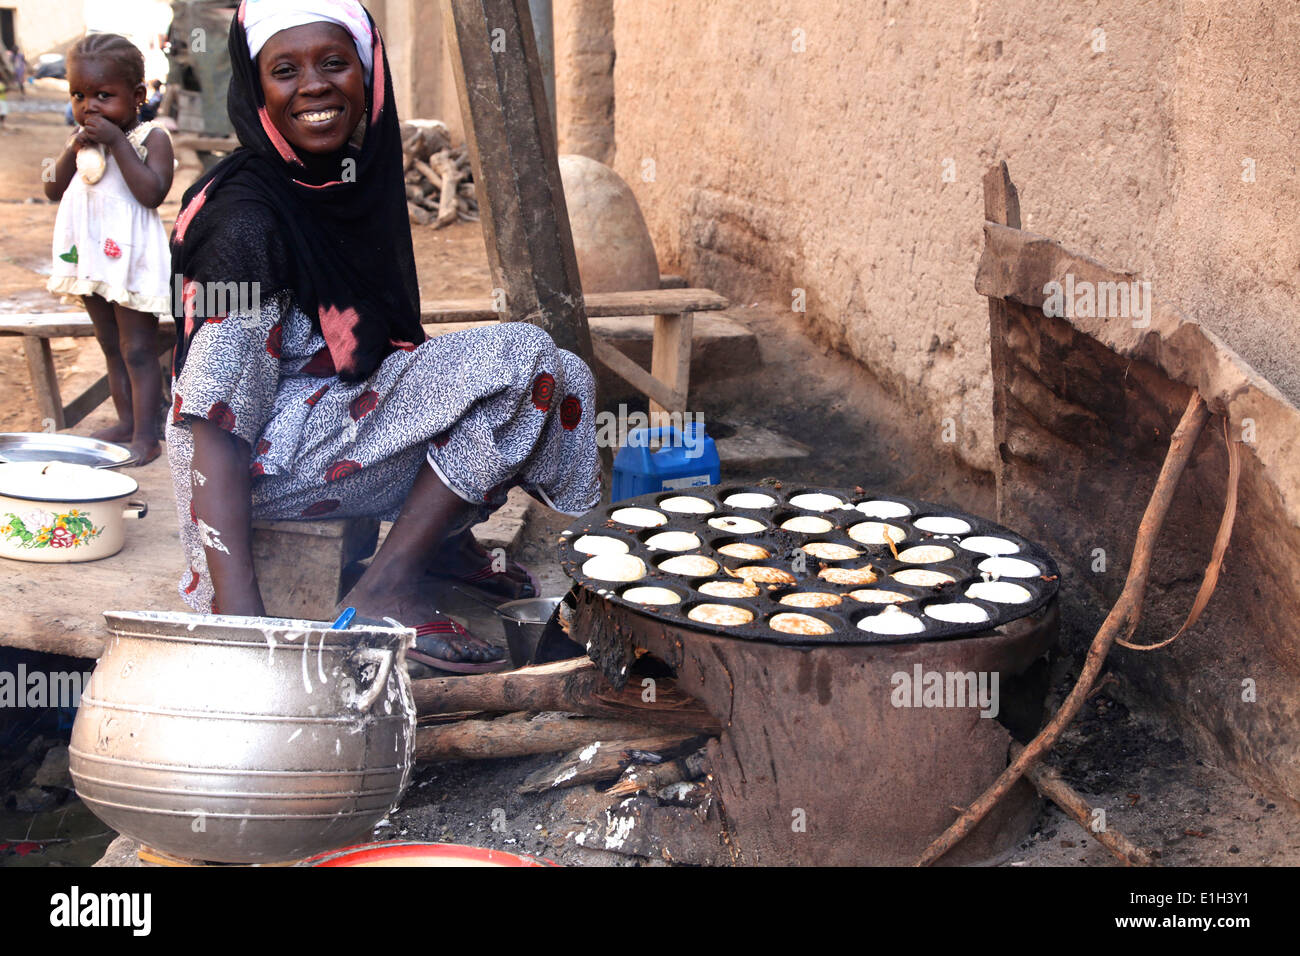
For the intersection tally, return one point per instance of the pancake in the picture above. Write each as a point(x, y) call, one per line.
point(922, 577)
point(1000, 592)
point(750, 552)
point(957, 612)
point(925, 554)
point(830, 551)
point(799, 624)
point(639, 517)
point(673, 541)
point(686, 505)
point(729, 589)
point(749, 499)
point(1009, 568)
point(807, 524)
point(941, 524)
point(873, 596)
point(652, 595)
point(690, 565)
point(724, 615)
point(811, 599)
point(987, 544)
point(600, 544)
point(884, 509)
point(892, 621)
point(614, 567)
point(762, 574)
point(875, 532)
point(856, 576)
point(736, 525)
point(815, 501)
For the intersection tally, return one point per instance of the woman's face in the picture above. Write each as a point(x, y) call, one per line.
point(314, 86)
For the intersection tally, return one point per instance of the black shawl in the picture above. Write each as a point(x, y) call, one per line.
point(342, 243)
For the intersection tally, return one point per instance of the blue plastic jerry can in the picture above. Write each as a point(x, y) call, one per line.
point(664, 458)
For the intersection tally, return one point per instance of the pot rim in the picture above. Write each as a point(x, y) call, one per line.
point(200, 628)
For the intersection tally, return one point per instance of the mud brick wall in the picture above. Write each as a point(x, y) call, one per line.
point(1086, 431)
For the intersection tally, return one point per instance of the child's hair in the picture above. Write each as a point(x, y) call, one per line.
point(118, 50)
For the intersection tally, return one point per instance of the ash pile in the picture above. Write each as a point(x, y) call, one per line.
point(439, 180)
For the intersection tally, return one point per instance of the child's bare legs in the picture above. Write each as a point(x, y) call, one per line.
point(104, 318)
point(138, 344)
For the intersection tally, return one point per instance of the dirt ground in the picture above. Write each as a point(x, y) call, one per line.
point(1121, 759)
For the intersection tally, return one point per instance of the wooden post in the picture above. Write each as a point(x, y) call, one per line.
point(670, 361)
point(1001, 205)
point(45, 383)
point(513, 152)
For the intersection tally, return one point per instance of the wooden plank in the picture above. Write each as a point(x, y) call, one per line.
point(635, 375)
point(516, 169)
point(53, 325)
point(598, 305)
point(670, 360)
point(86, 402)
point(1002, 206)
point(45, 383)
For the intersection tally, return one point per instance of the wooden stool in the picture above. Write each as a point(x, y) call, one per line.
point(301, 565)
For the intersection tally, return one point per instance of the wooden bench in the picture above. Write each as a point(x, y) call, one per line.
point(36, 330)
point(666, 384)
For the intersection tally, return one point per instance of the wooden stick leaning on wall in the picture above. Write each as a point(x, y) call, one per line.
point(1122, 619)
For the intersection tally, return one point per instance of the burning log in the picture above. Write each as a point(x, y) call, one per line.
point(436, 175)
point(639, 777)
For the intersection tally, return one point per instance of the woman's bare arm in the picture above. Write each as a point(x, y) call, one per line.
point(223, 506)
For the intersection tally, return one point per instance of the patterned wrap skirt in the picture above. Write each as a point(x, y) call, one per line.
point(489, 409)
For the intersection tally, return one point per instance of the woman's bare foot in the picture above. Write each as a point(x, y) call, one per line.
point(142, 452)
point(413, 608)
point(120, 432)
point(462, 559)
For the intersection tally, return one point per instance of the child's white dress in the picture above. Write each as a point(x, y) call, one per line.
point(107, 244)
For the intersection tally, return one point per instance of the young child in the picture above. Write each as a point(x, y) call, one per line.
point(110, 246)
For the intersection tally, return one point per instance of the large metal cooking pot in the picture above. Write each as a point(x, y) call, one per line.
point(54, 511)
point(244, 740)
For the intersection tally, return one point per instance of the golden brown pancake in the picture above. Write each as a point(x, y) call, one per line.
point(729, 589)
point(876, 532)
point(925, 554)
point(856, 576)
point(762, 574)
point(799, 624)
point(691, 565)
point(830, 551)
point(720, 614)
point(811, 599)
point(750, 552)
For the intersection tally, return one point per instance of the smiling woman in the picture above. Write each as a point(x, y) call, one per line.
point(328, 401)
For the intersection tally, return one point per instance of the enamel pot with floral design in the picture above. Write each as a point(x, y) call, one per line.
point(55, 511)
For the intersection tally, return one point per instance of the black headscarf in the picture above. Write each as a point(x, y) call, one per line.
point(344, 241)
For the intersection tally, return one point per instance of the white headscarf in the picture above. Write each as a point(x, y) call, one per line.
point(263, 19)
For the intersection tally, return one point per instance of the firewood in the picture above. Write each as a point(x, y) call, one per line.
point(640, 777)
point(517, 736)
point(447, 198)
point(421, 217)
point(573, 686)
point(600, 760)
point(413, 193)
